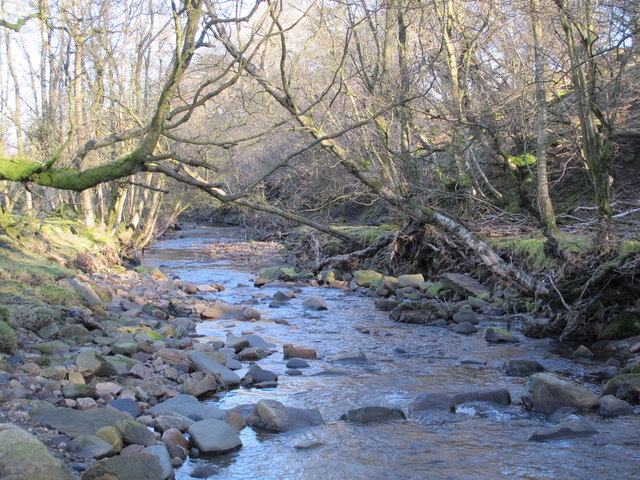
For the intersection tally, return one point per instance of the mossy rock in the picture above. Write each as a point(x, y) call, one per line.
point(635, 369)
point(612, 386)
point(23, 456)
point(104, 293)
point(365, 278)
point(329, 276)
point(484, 296)
point(439, 289)
point(8, 340)
point(146, 330)
point(154, 272)
point(377, 283)
point(622, 326)
point(271, 274)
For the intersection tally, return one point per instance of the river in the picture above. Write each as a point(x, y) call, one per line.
point(480, 441)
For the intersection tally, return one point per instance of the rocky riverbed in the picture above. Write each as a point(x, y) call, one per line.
point(171, 374)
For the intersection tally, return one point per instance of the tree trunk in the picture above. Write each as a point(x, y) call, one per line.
point(545, 206)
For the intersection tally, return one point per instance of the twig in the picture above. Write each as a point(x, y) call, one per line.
point(568, 307)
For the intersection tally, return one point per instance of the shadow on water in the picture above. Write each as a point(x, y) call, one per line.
point(478, 442)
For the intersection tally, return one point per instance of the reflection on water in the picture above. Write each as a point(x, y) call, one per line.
point(478, 442)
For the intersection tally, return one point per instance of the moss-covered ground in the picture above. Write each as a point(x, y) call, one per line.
point(34, 255)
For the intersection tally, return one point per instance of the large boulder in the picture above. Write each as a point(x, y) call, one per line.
point(24, 457)
point(547, 393)
point(274, 416)
point(206, 364)
point(214, 436)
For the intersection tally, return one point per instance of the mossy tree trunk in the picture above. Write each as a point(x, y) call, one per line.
point(595, 130)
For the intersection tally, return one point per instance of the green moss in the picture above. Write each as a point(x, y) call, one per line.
point(622, 326)
point(611, 387)
point(634, 370)
point(438, 289)
point(8, 340)
point(522, 161)
point(530, 248)
point(366, 278)
point(365, 233)
point(5, 314)
point(629, 246)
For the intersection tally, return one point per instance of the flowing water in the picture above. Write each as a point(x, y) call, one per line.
point(480, 441)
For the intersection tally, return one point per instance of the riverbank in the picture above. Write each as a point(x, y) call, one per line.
point(148, 340)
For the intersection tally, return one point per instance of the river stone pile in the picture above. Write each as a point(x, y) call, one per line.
point(114, 394)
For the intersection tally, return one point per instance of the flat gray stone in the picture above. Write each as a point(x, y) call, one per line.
point(316, 303)
point(297, 363)
point(464, 328)
point(355, 357)
point(611, 406)
point(373, 414)
point(139, 466)
point(499, 396)
point(164, 460)
point(188, 406)
point(431, 401)
point(214, 436)
point(499, 335)
point(206, 364)
point(90, 446)
point(464, 284)
point(466, 316)
point(73, 422)
point(521, 367)
point(564, 431)
point(274, 416)
point(135, 432)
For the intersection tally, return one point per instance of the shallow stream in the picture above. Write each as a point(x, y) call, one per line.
point(480, 441)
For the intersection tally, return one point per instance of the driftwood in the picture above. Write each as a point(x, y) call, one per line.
point(350, 259)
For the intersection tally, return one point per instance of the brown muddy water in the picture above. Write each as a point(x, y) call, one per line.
point(480, 441)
